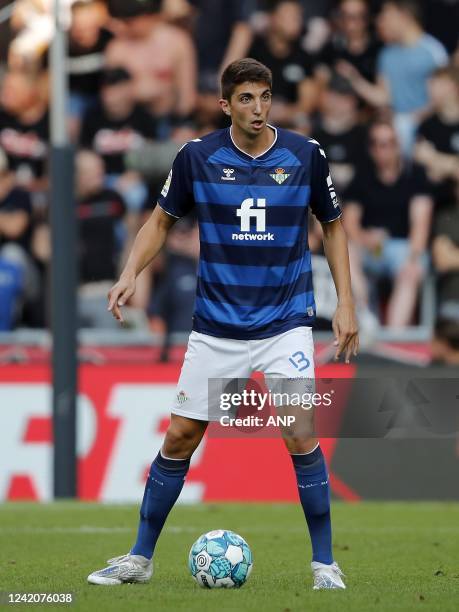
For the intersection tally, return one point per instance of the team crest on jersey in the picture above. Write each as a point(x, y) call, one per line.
point(181, 397)
point(228, 172)
point(280, 176)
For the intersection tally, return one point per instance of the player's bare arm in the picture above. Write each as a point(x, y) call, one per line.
point(149, 241)
point(344, 321)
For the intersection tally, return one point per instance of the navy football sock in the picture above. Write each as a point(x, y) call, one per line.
point(313, 488)
point(164, 483)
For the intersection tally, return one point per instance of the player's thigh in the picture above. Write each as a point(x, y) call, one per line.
point(287, 361)
point(287, 355)
point(206, 358)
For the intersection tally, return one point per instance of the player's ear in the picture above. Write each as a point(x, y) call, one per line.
point(225, 106)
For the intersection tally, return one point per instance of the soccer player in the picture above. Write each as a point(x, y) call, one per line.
point(251, 185)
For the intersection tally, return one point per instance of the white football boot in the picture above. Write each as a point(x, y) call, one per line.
point(327, 576)
point(125, 568)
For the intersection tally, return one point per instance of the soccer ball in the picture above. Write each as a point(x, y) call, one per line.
point(220, 559)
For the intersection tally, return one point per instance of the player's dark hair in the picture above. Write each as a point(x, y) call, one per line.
point(240, 71)
point(412, 7)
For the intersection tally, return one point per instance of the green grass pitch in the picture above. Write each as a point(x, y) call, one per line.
point(397, 556)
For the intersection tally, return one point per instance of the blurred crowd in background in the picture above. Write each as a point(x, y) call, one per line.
point(375, 82)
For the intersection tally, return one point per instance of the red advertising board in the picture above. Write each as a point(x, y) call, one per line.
point(123, 412)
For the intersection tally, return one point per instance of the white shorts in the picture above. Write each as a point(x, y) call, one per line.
point(288, 355)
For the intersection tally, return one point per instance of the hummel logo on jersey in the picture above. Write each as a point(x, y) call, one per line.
point(228, 172)
point(279, 176)
point(332, 191)
point(249, 211)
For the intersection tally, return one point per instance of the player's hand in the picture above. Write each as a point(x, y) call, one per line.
point(119, 295)
point(346, 331)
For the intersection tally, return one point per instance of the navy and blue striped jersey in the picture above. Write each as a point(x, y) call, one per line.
point(254, 278)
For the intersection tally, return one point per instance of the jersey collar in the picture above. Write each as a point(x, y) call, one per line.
point(247, 155)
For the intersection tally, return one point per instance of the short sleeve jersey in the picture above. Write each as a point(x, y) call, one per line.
point(254, 276)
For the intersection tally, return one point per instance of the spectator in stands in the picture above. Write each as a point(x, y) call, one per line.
point(18, 274)
point(438, 136)
point(405, 64)
point(222, 35)
point(116, 127)
point(316, 17)
point(33, 24)
point(387, 214)
point(88, 39)
point(99, 211)
point(159, 56)
point(352, 42)
point(315, 20)
point(445, 255)
point(178, 12)
point(172, 304)
point(294, 89)
point(339, 132)
point(24, 134)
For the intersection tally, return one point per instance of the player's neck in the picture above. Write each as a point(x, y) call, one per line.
point(253, 145)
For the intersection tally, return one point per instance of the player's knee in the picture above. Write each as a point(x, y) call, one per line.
point(177, 443)
point(299, 442)
point(182, 439)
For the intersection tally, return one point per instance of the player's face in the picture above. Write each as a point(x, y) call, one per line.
point(249, 107)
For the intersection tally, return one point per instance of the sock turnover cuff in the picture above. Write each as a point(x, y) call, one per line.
point(171, 466)
point(306, 459)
